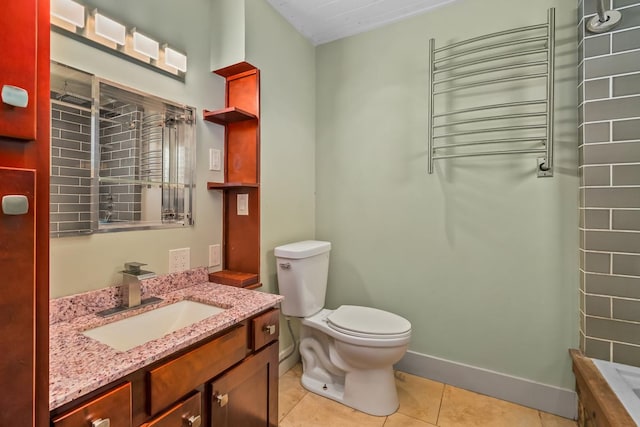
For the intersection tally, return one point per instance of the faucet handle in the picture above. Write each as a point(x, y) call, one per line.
point(133, 267)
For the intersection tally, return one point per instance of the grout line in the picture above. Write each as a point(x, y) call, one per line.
point(440, 406)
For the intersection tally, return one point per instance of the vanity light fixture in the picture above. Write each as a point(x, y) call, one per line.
point(110, 29)
point(68, 11)
point(175, 59)
point(70, 18)
point(145, 45)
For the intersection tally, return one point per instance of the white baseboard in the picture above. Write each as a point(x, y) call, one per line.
point(289, 363)
point(543, 397)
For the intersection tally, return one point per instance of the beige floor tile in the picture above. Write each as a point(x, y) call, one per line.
point(400, 420)
point(290, 391)
point(316, 411)
point(550, 420)
point(461, 408)
point(419, 397)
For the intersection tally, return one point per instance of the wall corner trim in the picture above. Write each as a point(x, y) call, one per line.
point(543, 397)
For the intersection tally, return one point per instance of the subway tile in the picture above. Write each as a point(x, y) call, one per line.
point(627, 354)
point(581, 300)
point(626, 309)
point(596, 218)
point(54, 189)
point(61, 161)
point(622, 3)
point(612, 241)
point(597, 306)
point(64, 180)
point(623, 152)
point(61, 143)
point(67, 189)
point(590, 6)
point(626, 220)
point(617, 286)
point(626, 174)
point(58, 217)
point(597, 262)
point(596, 46)
point(616, 108)
point(624, 130)
point(630, 18)
point(64, 198)
point(74, 118)
point(626, 40)
point(596, 132)
point(597, 349)
point(74, 226)
point(70, 126)
point(597, 175)
point(582, 282)
point(71, 208)
point(620, 63)
point(627, 265)
point(613, 330)
point(73, 154)
point(75, 172)
point(626, 85)
point(620, 197)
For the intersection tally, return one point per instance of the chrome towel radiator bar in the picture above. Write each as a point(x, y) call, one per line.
point(483, 68)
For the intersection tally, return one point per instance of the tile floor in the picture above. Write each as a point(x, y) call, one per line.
point(423, 403)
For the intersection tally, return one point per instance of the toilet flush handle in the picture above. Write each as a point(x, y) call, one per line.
point(285, 265)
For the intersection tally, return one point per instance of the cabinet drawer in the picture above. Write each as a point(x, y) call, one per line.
point(174, 379)
point(181, 414)
point(115, 405)
point(265, 328)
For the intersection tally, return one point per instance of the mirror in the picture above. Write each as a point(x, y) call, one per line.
point(120, 159)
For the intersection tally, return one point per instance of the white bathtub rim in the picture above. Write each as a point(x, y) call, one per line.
point(611, 372)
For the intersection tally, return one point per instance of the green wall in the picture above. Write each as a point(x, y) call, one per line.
point(481, 256)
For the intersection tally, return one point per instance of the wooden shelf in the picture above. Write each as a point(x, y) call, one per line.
point(225, 185)
point(228, 115)
point(235, 278)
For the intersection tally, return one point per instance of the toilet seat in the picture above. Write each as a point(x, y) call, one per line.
point(367, 322)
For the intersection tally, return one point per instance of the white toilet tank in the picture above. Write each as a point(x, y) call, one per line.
point(303, 268)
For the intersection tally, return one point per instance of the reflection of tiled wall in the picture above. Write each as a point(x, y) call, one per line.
point(610, 186)
point(119, 158)
point(70, 170)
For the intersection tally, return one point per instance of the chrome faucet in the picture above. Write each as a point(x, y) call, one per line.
point(131, 294)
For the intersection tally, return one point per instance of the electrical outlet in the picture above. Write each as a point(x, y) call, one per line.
point(214, 255)
point(243, 204)
point(179, 260)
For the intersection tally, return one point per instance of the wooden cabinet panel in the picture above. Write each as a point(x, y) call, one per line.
point(180, 414)
point(247, 395)
point(173, 380)
point(18, 66)
point(17, 294)
point(114, 405)
point(265, 329)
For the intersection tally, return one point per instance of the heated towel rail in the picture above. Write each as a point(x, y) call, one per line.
point(515, 66)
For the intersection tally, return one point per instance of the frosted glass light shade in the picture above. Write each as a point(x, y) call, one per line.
point(175, 59)
point(110, 29)
point(68, 11)
point(145, 45)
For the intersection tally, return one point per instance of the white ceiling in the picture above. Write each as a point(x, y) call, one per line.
point(322, 21)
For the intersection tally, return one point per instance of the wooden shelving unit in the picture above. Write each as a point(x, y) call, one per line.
point(241, 119)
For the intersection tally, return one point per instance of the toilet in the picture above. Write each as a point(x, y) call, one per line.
point(347, 353)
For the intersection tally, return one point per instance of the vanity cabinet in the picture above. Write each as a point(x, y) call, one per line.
point(230, 379)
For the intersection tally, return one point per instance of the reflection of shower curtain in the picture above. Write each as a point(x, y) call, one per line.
point(174, 164)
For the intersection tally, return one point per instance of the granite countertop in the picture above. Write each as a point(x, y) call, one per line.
point(79, 364)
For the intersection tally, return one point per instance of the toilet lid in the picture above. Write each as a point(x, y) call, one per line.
point(367, 321)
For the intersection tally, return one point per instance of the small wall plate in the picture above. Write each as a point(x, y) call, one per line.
point(541, 172)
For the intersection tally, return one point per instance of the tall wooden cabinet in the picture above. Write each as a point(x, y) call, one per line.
point(241, 186)
point(24, 239)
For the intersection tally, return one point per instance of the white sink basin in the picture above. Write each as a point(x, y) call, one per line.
point(127, 333)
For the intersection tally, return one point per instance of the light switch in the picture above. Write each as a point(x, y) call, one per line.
point(215, 159)
point(243, 204)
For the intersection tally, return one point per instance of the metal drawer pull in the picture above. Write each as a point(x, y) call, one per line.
point(269, 329)
point(192, 421)
point(222, 399)
point(101, 422)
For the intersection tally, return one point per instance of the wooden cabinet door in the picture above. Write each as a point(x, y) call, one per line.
point(17, 293)
point(247, 395)
point(18, 66)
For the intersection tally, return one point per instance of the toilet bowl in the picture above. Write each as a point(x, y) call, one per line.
point(347, 353)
